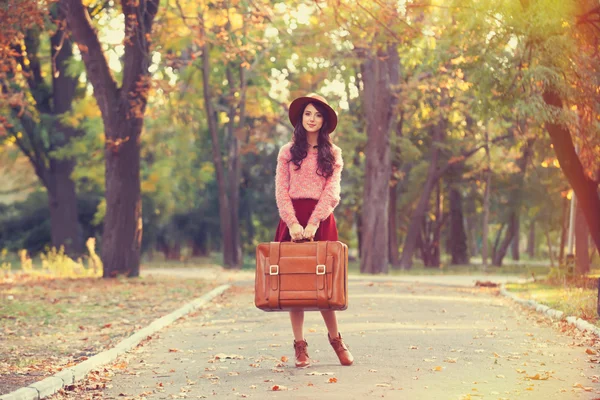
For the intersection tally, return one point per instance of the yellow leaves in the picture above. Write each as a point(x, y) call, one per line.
point(437, 368)
point(538, 377)
point(220, 17)
point(83, 109)
point(580, 386)
point(148, 187)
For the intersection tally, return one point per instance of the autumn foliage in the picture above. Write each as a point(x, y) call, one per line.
point(16, 16)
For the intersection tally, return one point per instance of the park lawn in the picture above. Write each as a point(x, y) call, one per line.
point(47, 324)
point(574, 301)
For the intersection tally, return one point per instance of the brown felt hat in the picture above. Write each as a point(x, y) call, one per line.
point(298, 105)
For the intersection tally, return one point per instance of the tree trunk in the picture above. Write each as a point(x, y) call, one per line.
point(122, 238)
point(394, 253)
point(550, 250)
point(62, 195)
point(378, 73)
point(437, 232)
point(417, 215)
point(358, 219)
point(51, 103)
point(563, 229)
point(62, 200)
point(584, 187)
point(514, 247)
point(471, 222)
point(458, 238)
point(122, 111)
point(486, 205)
point(512, 234)
point(582, 251)
point(531, 240)
point(224, 195)
point(501, 250)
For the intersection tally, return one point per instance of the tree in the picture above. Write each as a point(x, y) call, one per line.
point(122, 109)
point(35, 123)
point(380, 71)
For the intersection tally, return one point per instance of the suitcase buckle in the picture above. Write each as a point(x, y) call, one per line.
point(274, 272)
point(322, 270)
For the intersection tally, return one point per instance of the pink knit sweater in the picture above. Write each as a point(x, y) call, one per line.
point(306, 184)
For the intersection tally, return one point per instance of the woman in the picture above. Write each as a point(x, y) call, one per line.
point(307, 184)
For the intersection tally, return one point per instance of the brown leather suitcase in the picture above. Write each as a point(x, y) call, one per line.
point(307, 276)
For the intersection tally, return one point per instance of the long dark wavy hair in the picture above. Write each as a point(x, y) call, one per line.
point(299, 149)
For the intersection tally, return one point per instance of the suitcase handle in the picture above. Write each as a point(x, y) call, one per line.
point(302, 240)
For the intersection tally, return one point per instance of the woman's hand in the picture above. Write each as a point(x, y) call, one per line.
point(296, 232)
point(310, 230)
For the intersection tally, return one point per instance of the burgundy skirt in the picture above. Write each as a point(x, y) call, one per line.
point(304, 207)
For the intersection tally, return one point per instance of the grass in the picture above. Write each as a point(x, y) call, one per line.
point(47, 324)
point(576, 298)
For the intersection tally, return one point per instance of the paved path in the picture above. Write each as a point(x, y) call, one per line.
point(410, 341)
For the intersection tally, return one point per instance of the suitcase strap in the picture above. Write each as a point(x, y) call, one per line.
point(274, 276)
point(321, 271)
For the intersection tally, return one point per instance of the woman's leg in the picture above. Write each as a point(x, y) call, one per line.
point(335, 338)
point(331, 322)
point(300, 345)
point(297, 318)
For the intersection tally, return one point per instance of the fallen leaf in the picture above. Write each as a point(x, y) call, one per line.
point(591, 352)
point(284, 359)
point(538, 377)
point(383, 385)
point(276, 388)
point(413, 348)
point(437, 368)
point(450, 360)
point(319, 373)
point(372, 370)
point(173, 350)
point(500, 376)
point(222, 356)
point(332, 380)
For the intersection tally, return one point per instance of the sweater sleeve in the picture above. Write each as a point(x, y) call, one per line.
point(282, 187)
point(330, 197)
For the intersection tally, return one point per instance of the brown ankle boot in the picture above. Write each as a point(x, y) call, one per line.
point(302, 359)
point(341, 350)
